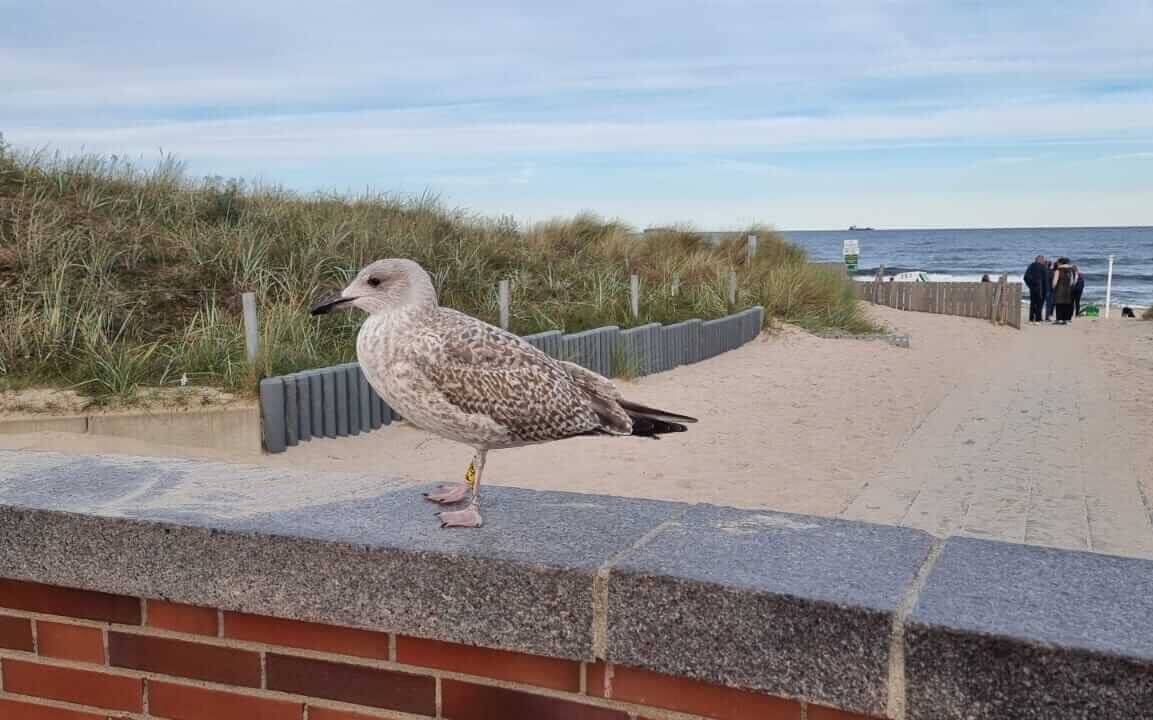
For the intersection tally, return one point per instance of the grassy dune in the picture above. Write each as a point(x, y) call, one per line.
point(113, 276)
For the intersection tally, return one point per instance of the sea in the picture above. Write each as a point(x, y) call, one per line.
point(965, 255)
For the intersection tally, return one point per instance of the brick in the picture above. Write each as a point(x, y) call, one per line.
point(320, 713)
point(595, 677)
point(182, 618)
point(181, 702)
point(82, 687)
point(15, 633)
point(70, 642)
point(352, 684)
point(184, 659)
point(310, 636)
point(818, 712)
point(546, 672)
point(16, 710)
point(466, 701)
point(691, 696)
point(53, 600)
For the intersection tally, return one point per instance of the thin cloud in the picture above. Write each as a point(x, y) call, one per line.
point(734, 95)
point(1130, 156)
point(407, 133)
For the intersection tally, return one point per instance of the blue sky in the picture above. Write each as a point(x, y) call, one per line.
point(803, 115)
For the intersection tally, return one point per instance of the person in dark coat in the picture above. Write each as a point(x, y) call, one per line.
point(1078, 291)
point(1050, 267)
point(1035, 280)
point(1064, 278)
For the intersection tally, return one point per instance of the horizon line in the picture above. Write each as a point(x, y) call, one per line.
point(972, 227)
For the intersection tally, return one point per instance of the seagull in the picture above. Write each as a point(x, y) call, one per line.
point(465, 380)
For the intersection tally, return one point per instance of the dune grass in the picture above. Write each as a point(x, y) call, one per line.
point(114, 276)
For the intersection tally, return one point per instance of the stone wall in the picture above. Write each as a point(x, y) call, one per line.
point(137, 588)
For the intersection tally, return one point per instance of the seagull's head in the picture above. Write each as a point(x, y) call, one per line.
point(383, 286)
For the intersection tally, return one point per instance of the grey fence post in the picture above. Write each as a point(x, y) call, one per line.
point(732, 287)
point(328, 378)
point(251, 329)
point(504, 304)
point(365, 395)
point(752, 249)
point(304, 399)
point(676, 284)
point(340, 400)
point(291, 412)
point(635, 294)
point(352, 373)
point(272, 414)
point(316, 397)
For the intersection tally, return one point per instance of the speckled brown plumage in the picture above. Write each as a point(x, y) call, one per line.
point(465, 380)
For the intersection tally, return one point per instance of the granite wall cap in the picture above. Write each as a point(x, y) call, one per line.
point(346, 549)
point(790, 604)
point(1031, 633)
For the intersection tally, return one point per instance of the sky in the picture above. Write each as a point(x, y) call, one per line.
point(718, 114)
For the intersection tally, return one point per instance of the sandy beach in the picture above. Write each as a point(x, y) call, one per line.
point(1039, 435)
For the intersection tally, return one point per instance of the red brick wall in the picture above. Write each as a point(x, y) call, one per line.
point(76, 655)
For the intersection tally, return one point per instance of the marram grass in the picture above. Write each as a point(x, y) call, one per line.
point(113, 276)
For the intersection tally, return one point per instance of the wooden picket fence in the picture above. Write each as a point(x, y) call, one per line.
point(998, 302)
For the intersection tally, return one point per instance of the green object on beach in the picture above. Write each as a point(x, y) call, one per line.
point(1090, 311)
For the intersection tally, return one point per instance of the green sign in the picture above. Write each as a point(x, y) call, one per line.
point(852, 252)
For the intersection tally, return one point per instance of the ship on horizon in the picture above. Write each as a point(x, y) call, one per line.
point(859, 228)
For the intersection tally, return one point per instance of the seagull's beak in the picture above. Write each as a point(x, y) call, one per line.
point(333, 303)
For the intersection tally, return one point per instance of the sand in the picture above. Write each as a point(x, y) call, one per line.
point(1042, 435)
point(35, 401)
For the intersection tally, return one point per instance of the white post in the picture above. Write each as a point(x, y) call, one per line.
point(635, 294)
point(251, 329)
point(504, 304)
point(676, 285)
point(752, 249)
point(1109, 287)
point(732, 287)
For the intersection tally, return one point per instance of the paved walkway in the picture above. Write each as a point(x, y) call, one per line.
point(1043, 448)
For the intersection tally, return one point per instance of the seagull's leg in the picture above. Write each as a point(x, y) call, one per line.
point(455, 492)
point(470, 516)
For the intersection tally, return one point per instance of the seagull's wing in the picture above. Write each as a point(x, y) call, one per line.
point(605, 397)
point(486, 371)
point(620, 416)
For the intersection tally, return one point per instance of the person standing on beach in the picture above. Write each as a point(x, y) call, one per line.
point(1064, 278)
point(1049, 276)
point(1035, 276)
point(1078, 291)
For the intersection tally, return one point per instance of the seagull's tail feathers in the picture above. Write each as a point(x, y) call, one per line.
point(650, 422)
point(637, 410)
point(654, 427)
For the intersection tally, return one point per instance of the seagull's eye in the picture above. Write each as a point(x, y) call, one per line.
point(374, 282)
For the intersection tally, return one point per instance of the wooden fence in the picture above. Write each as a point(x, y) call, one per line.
point(998, 302)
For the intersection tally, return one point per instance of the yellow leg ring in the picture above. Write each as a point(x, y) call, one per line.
point(470, 475)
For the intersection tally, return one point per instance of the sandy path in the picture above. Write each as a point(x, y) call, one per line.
point(1049, 446)
point(962, 433)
